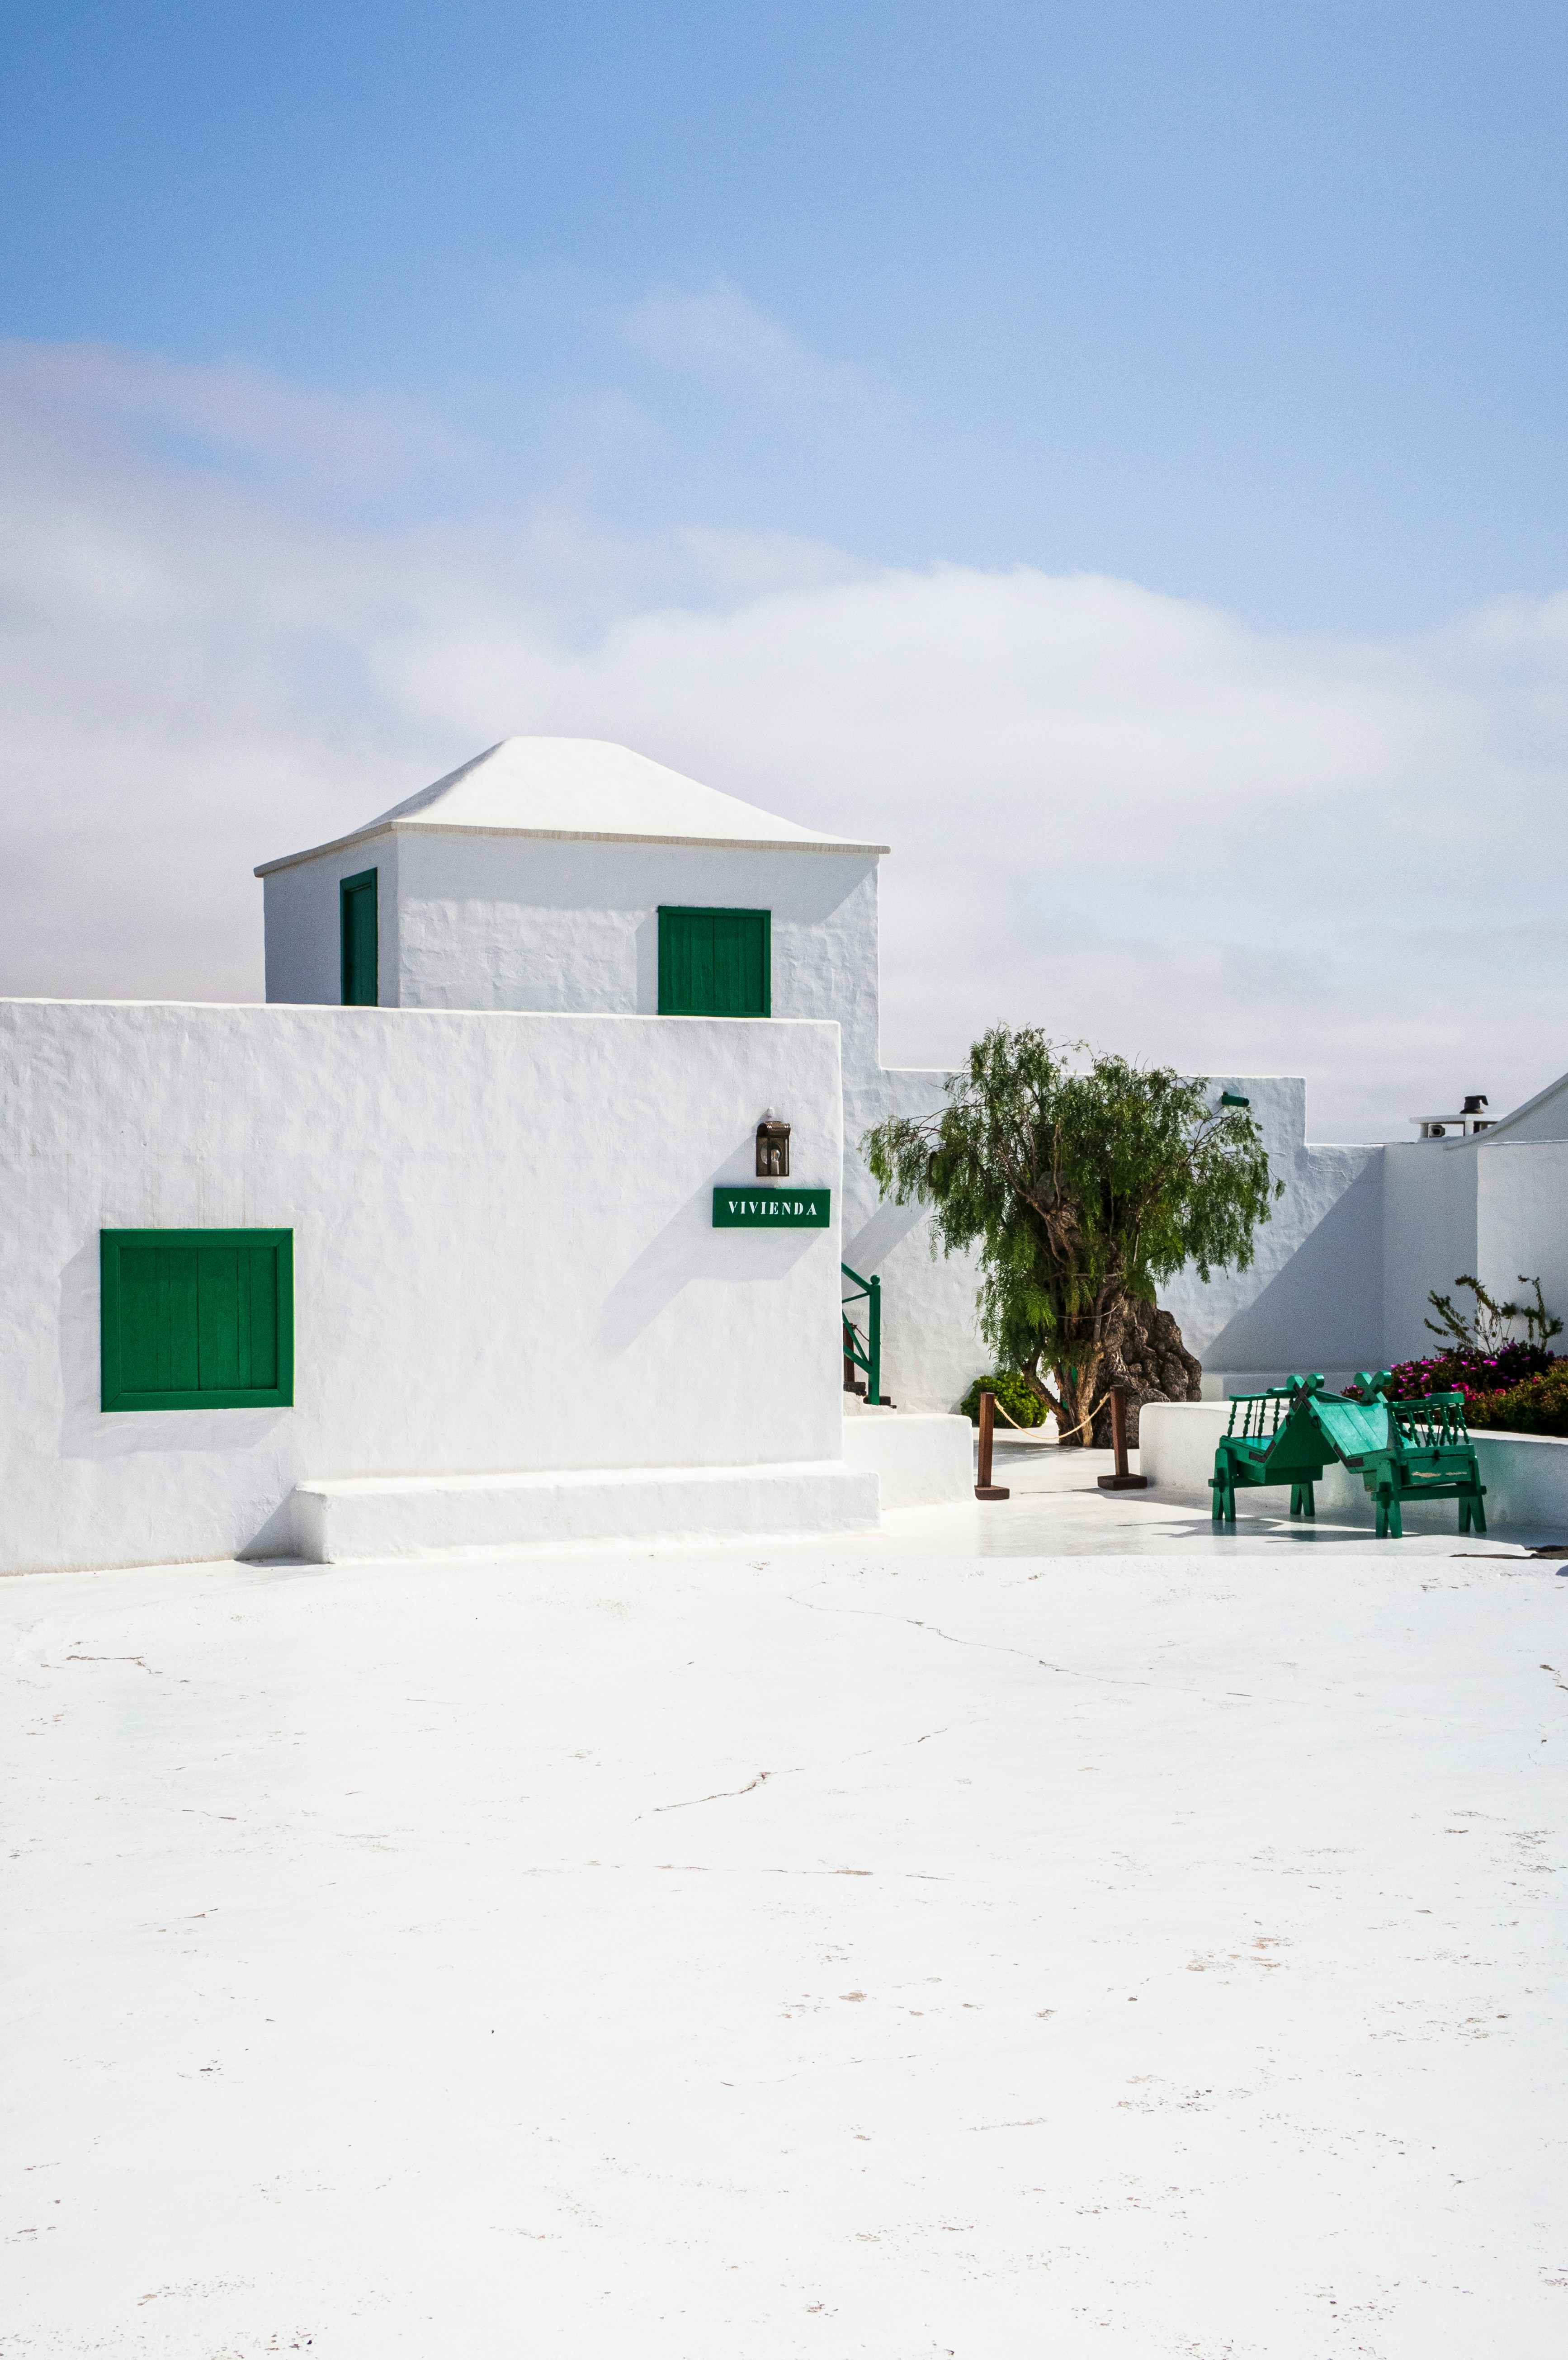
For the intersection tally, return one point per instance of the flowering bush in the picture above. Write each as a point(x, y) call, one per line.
point(1472, 1371)
point(1539, 1405)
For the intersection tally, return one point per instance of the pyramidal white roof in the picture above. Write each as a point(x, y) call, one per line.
point(584, 787)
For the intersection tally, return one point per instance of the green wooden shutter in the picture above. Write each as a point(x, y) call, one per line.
point(715, 962)
point(361, 949)
point(197, 1319)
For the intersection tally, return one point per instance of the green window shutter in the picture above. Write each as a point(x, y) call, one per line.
point(361, 947)
point(715, 962)
point(197, 1319)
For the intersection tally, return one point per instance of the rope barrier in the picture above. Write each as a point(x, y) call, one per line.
point(1062, 1436)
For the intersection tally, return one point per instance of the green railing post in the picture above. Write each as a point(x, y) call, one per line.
point(866, 1355)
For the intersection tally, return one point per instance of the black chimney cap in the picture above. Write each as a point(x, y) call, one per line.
point(1473, 1105)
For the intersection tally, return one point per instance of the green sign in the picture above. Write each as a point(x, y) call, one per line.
point(743, 1207)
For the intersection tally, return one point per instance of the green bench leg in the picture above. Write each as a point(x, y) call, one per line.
point(1302, 1503)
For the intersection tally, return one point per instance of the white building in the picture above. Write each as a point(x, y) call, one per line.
point(547, 873)
point(430, 1249)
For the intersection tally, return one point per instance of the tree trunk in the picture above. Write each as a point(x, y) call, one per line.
point(1149, 1361)
point(1080, 1390)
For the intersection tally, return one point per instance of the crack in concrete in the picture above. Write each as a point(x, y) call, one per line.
point(1000, 1647)
point(725, 1795)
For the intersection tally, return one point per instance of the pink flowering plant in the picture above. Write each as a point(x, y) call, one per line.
point(1470, 1372)
point(1481, 1358)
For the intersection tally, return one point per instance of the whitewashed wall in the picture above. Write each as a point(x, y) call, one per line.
point(1430, 1198)
point(1313, 1296)
point(303, 928)
point(1522, 1219)
point(503, 1254)
point(489, 922)
point(1497, 1207)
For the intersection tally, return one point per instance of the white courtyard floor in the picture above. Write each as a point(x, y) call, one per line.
point(929, 1946)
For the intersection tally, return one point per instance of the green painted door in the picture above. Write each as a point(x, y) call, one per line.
point(715, 962)
point(356, 910)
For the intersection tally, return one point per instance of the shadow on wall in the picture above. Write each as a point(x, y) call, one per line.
point(688, 1247)
point(647, 940)
point(888, 1227)
point(1324, 1308)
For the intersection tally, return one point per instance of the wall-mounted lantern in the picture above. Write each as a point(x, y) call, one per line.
point(773, 1151)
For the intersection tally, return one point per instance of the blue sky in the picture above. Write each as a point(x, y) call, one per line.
point(1114, 453)
point(1256, 304)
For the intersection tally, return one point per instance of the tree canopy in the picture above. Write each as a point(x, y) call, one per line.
point(1081, 1190)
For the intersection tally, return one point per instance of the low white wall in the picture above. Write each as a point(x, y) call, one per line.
point(1526, 1475)
point(504, 1256)
point(921, 1461)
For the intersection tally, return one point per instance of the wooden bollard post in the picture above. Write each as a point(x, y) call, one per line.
point(1121, 1480)
point(985, 1488)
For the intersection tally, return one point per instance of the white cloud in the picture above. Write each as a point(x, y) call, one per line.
point(717, 332)
point(229, 411)
point(1117, 814)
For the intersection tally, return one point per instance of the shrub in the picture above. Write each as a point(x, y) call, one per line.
point(1539, 1405)
point(1487, 1327)
point(1013, 1395)
point(1472, 1371)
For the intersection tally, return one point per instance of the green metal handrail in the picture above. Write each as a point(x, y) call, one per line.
point(864, 1351)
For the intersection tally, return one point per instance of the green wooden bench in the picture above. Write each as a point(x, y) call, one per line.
point(1403, 1450)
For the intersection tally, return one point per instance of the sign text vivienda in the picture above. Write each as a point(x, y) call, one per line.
point(741, 1208)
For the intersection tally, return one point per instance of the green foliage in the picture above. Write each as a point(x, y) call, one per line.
point(1487, 1331)
point(1014, 1395)
point(1539, 1405)
point(1078, 1189)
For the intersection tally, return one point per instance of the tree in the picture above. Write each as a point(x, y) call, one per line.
point(1081, 1190)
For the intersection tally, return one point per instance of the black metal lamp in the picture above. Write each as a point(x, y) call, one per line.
point(773, 1150)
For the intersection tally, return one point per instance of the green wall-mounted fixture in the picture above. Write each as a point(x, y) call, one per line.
point(742, 1205)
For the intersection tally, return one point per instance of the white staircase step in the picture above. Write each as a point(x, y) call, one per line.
point(339, 1517)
